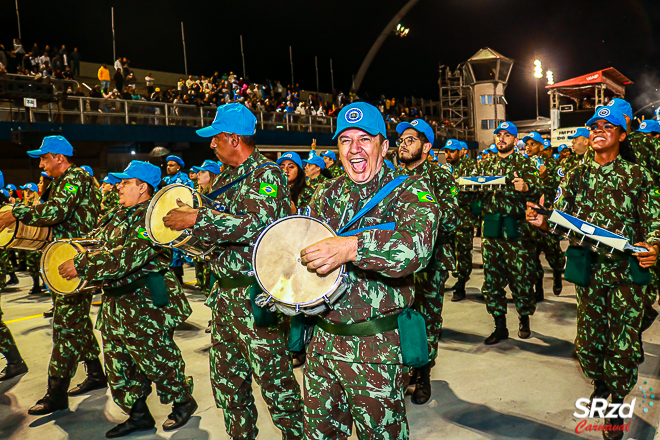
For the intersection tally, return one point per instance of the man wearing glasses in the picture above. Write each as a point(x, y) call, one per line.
point(414, 146)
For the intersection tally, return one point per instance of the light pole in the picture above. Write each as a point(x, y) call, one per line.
point(538, 74)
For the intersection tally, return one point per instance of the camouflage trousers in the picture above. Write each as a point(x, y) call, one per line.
point(6, 338)
point(241, 352)
point(463, 245)
point(33, 262)
point(73, 335)
point(509, 262)
point(608, 324)
point(136, 357)
point(551, 247)
point(203, 275)
point(429, 295)
point(338, 394)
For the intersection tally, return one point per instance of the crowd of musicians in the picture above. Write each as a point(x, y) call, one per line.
point(406, 224)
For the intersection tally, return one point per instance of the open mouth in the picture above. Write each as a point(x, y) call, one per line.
point(359, 165)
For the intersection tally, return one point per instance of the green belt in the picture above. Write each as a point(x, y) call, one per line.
point(233, 282)
point(444, 239)
point(603, 259)
point(366, 328)
point(128, 288)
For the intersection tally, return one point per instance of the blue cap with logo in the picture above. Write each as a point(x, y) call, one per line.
point(418, 124)
point(53, 144)
point(11, 187)
point(546, 144)
point(622, 105)
point(464, 145)
point(293, 157)
point(485, 152)
point(555, 156)
point(452, 144)
point(363, 116)
point(208, 165)
point(562, 147)
point(231, 118)
point(176, 159)
point(582, 131)
point(138, 169)
point(507, 126)
point(45, 175)
point(111, 180)
point(533, 136)
point(31, 186)
point(479, 157)
point(88, 169)
point(493, 148)
point(612, 115)
point(316, 160)
point(649, 126)
point(330, 154)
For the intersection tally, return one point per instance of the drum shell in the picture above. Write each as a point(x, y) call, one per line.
point(24, 237)
point(51, 277)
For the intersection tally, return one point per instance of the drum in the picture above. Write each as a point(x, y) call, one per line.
point(278, 268)
point(21, 236)
point(57, 253)
point(162, 203)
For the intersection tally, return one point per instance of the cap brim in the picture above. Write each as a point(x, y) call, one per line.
point(403, 126)
point(196, 169)
point(361, 127)
point(35, 153)
point(208, 131)
point(497, 130)
point(120, 176)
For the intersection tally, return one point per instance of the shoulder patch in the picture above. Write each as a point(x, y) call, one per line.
point(558, 195)
point(656, 192)
point(142, 233)
point(454, 190)
point(560, 172)
point(269, 189)
point(71, 188)
point(425, 197)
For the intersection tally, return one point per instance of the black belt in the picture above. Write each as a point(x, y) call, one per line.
point(131, 287)
point(233, 282)
point(366, 328)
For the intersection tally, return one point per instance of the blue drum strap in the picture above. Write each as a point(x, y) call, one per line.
point(218, 192)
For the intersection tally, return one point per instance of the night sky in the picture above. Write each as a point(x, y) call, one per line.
point(570, 37)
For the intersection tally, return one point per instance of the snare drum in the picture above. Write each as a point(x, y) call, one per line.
point(57, 253)
point(21, 236)
point(281, 274)
point(162, 203)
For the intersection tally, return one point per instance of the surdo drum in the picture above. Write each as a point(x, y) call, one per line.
point(21, 236)
point(57, 253)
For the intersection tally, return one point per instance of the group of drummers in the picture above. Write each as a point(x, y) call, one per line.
point(339, 264)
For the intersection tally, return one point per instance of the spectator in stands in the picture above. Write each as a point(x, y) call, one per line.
point(189, 82)
point(149, 81)
point(75, 62)
point(104, 77)
point(3, 56)
point(57, 64)
point(67, 74)
point(119, 80)
point(118, 66)
point(44, 60)
point(130, 81)
point(18, 50)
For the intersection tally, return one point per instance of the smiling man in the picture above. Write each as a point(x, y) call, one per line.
point(354, 371)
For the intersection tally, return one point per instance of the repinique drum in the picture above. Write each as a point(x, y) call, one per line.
point(162, 203)
point(57, 253)
point(280, 272)
point(21, 236)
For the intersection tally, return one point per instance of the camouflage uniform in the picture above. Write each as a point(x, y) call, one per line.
point(610, 309)
point(241, 351)
point(430, 281)
point(305, 197)
point(358, 379)
point(72, 210)
point(178, 257)
point(6, 339)
point(138, 336)
point(336, 170)
point(109, 200)
point(509, 260)
point(467, 221)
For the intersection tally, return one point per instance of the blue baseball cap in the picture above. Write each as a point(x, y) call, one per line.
point(479, 157)
point(45, 175)
point(562, 147)
point(11, 187)
point(486, 151)
point(88, 169)
point(507, 126)
point(621, 104)
point(649, 126)
point(5, 192)
point(464, 145)
point(546, 144)
point(432, 154)
point(330, 154)
point(176, 159)
point(582, 131)
point(418, 124)
point(138, 169)
point(293, 157)
point(451, 144)
point(316, 160)
point(2, 180)
point(31, 186)
point(363, 116)
point(208, 165)
point(231, 118)
point(54, 145)
point(389, 164)
point(555, 156)
point(612, 115)
point(493, 148)
point(111, 180)
point(533, 136)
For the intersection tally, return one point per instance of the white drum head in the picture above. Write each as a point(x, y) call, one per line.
point(162, 203)
point(8, 233)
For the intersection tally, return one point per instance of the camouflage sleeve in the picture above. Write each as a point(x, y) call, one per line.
point(409, 247)
point(531, 177)
point(565, 197)
point(648, 205)
point(316, 199)
point(61, 204)
point(446, 192)
point(266, 193)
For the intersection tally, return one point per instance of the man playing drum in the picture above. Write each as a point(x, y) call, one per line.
point(72, 210)
point(143, 304)
point(255, 195)
point(354, 371)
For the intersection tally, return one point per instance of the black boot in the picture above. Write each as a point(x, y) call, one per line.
point(523, 328)
point(557, 276)
point(55, 398)
point(36, 286)
point(299, 358)
point(422, 392)
point(178, 272)
point(641, 349)
point(459, 291)
point(13, 279)
point(600, 391)
point(501, 332)
point(617, 424)
point(539, 295)
point(15, 364)
point(140, 419)
point(181, 413)
point(95, 379)
point(50, 312)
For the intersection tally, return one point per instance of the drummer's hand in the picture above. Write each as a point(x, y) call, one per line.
point(327, 255)
point(519, 184)
point(647, 259)
point(67, 270)
point(181, 218)
point(6, 219)
point(534, 217)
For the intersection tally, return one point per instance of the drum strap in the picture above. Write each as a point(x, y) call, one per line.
point(366, 328)
point(218, 192)
point(375, 200)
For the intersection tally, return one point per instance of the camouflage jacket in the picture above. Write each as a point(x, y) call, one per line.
point(305, 197)
point(128, 255)
point(573, 161)
point(109, 200)
point(72, 208)
point(548, 186)
point(380, 280)
point(465, 168)
point(647, 153)
point(336, 169)
point(443, 187)
point(612, 196)
point(178, 178)
point(507, 200)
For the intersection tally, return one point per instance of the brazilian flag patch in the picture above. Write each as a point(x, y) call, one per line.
point(425, 197)
point(142, 233)
point(454, 191)
point(656, 191)
point(269, 189)
point(71, 188)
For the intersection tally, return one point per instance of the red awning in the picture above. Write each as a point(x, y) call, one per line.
point(606, 76)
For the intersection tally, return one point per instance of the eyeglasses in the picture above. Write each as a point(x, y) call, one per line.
point(408, 140)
